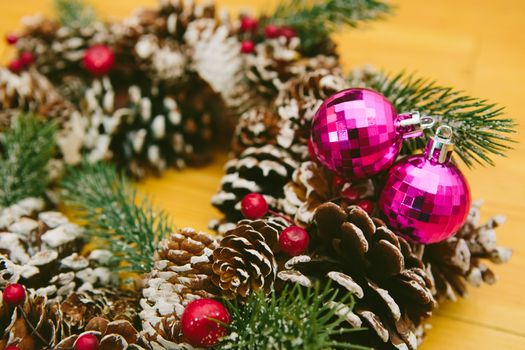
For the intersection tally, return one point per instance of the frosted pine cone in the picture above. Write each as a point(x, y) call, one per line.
point(460, 260)
point(313, 185)
point(182, 273)
point(297, 104)
point(145, 130)
point(245, 262)
point(392, 290)
point(257, 127)
point(40, 250)
point(276, 61)
point(114, 335)
point(263, 170)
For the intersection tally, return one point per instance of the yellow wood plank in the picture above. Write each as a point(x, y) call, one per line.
point(471, 44)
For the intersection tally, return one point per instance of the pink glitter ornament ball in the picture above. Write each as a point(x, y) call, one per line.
point(426, 199)
point(357, 133)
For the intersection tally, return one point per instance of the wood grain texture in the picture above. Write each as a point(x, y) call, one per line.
point(474, 45)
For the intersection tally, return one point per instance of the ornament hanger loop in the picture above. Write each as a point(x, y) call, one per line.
point(439, 148)
point(412, 124)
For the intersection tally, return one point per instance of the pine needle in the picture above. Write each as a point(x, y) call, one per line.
point(314, 21)
point(295, 318)
point(74, 13)
point(129, 225)
point(480, 130)
point(25, 151)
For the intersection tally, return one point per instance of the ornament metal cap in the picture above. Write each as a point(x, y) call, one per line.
point(439, 148)
point(412, 124)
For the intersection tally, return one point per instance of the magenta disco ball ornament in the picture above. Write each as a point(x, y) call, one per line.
point(357, 133)
point(426, 199)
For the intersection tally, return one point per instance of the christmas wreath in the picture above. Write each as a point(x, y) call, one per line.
point(346, 220)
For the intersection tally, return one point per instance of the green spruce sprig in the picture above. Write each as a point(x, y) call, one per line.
point(480, 129)
point(314, 21)
point(294, 318)
point(74, 13)
point(128, 223)
point(25, 151)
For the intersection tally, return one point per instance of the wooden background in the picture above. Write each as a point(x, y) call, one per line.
point(475, 45)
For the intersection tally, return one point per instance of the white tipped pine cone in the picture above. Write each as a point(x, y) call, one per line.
point(182, 273)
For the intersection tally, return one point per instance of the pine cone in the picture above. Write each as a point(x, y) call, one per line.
point(460, 260)
point(313, 185)
point(40, 250)
point(297, 104)
point(364, 257)
point(244, 262)
point(276, 61)
point(31, 92)
point(256, 127)
point(145, 131)
point(45, 318)
point(182, 273)
point(114, 335)
point(264, 170)
point(59, 50)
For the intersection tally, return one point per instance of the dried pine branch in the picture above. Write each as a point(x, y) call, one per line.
point(25, 151)
point(294, 318)
point(127, 223)
point(480, 130)
point(314, 21)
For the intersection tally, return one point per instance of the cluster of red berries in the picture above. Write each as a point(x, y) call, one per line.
point(24, 59)
point(294, 240)
point(15, 295)
point(249, 28)
point(98, 59)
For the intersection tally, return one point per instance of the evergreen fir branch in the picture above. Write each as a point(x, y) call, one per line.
point(25, 151)
point(315, 20)
point(480, 129)
point(295, 318)
point(74, 13)
point(113, 211)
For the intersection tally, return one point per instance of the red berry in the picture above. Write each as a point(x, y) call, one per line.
point(201, 322)
point(27, 58)
point(14, 294)
point(11, 38)
point(249, 24)
point(272, 31)
point(99, 60)
point(366, 205)
point(16, 66)
point(294, 240)
point(247, 46)
point(12, 347)
point(288, 32)
point(254, 206)
point(86, 341)
point(351, 194)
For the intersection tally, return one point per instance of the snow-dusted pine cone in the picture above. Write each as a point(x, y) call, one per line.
point(245, 262)
point(392, 290)
point(182, 274)
point(114, 335)
point(54, 321)
point(276, 61)
point(40, 249)
point(313, 185)
point(144, 129)
point(264, 170)
point(460, 261)
point(256, 127)
point(59, 50)
point(297, 104)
